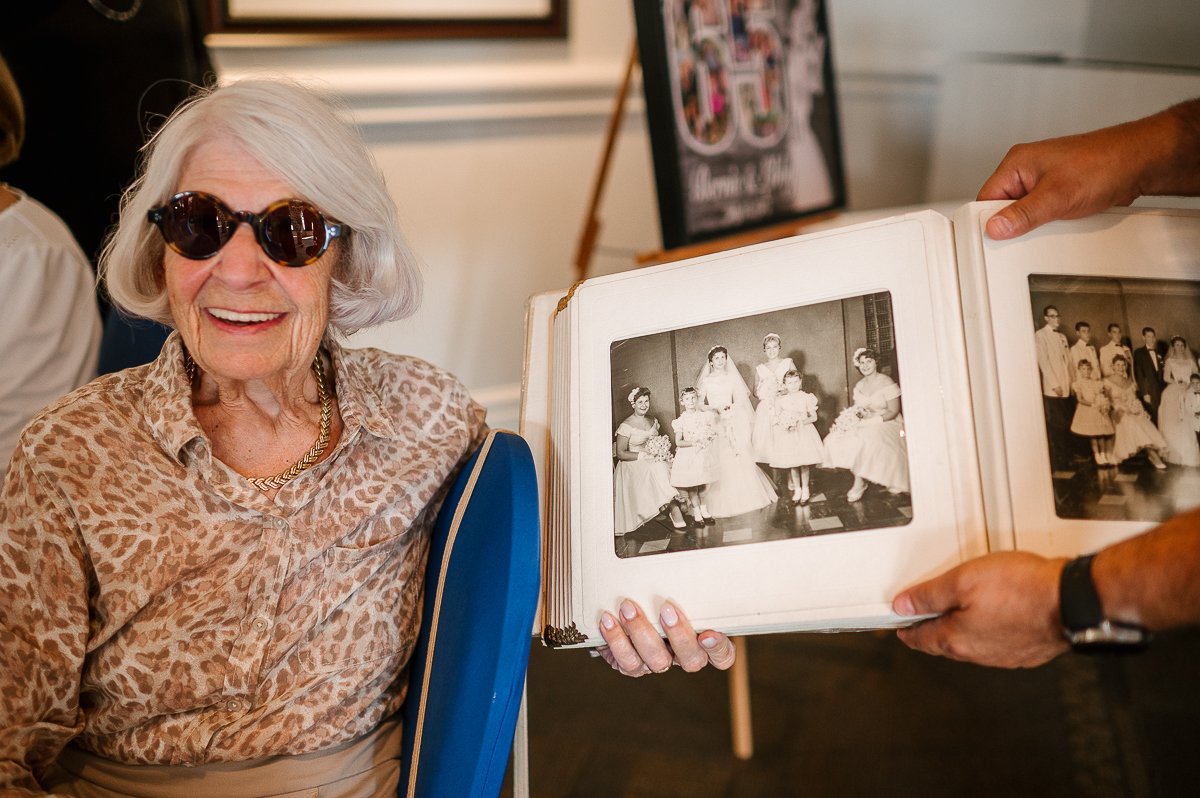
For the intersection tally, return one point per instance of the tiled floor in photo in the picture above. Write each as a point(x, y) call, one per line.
point(1133, 491)
point(826, 512)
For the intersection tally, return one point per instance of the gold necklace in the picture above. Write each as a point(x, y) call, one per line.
point(318, 448)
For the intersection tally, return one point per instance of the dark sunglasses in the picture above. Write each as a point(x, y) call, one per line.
point(291, 231)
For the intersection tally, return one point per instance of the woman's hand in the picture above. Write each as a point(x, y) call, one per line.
point(636, 649)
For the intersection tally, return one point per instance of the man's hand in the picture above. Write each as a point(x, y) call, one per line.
point(1000, 610)
point(1075, 176)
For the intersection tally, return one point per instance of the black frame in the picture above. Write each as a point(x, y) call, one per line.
point(338, 25)
point(758, 150)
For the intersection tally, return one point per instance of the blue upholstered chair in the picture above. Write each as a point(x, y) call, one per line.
point(481, 590)
point(128, 341)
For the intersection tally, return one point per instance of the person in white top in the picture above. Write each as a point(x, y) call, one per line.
point(1082, 349)
point(49, 321)
point(1113, 348)
point(1052, 354)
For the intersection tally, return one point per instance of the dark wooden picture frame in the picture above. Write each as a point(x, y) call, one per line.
point(342, 23)
point(742, 113)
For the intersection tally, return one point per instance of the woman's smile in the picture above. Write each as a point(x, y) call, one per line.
point(243, 321)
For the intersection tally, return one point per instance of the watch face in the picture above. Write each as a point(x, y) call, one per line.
point(1109, 636)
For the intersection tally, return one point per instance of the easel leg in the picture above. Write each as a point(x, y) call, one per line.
point(591, 219)
point(521, 749)
point(739, 702)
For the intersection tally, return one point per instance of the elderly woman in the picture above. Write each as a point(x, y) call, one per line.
point(217, 557)
point(212, 564)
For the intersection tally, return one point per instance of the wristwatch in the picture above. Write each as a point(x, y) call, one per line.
point(1084, 624)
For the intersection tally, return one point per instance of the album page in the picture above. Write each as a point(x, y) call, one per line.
point(776, 438)
point(1077, 457)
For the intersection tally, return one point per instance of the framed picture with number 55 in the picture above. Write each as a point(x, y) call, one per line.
point(742, 114)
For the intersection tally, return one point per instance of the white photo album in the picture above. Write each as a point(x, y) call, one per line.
point(783, 436)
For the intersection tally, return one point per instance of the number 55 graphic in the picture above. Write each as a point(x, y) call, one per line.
point(726, 63)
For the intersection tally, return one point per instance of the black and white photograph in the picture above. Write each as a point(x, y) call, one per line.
point(743, 124)
point(767, 427)
point(1120, 387)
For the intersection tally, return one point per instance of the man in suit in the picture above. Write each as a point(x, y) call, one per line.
point(1082, 349)
point(1052, 360)
point(1147, 372)
point(1114, 347)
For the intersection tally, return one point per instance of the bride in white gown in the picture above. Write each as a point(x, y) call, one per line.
point(1174, 420)
point(740, 486)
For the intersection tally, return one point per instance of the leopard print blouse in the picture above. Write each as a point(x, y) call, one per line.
point(156, 608)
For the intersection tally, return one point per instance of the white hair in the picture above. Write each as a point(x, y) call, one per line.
point(300, 136)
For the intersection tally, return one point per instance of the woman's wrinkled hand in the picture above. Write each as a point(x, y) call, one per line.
point(635, 648)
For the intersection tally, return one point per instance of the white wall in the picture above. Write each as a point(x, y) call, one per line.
point(491, 147)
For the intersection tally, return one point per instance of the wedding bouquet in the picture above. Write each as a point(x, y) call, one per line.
point(658, 448)
point(790, 418)
point(699, 430)
point(849, 419)
point(1103, 403)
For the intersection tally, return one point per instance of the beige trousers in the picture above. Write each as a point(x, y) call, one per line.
point(368, 767)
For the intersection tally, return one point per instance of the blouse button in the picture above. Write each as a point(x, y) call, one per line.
point(233, 705)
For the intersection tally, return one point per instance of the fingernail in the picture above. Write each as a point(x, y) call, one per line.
point(708, 642)
point(999, 226)
point(668, 616)
point(607, 621)
point(628, 611)
point(903, 605)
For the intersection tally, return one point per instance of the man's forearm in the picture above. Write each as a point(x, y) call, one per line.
point(1153, 579)
point(1172, 138)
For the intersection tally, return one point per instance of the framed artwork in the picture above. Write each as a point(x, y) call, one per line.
point(392, 19)
point(742, 114)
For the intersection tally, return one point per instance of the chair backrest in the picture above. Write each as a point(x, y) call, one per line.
point(481, 592)
point(129, 342)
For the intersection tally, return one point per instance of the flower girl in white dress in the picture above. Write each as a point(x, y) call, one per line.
point(695, 457)
point(797, 446)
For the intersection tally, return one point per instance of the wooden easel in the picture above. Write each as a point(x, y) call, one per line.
point(591, 220)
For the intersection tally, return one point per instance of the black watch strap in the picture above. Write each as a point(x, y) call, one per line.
point(1080, 603)
point(1086, 628)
